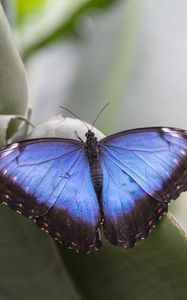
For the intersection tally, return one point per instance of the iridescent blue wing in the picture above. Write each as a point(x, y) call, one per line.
point(49, 180)
point(143, 170)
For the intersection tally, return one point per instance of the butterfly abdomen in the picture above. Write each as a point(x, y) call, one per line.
point(92, 152)
point(96, 175)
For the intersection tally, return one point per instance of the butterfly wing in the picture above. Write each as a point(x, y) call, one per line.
point(49, 180)
point(143, 170)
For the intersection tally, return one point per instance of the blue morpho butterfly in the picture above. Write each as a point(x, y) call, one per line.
point(72, 188)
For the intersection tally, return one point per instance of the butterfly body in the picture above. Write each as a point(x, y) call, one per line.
point(93, 154)
point(72, 188)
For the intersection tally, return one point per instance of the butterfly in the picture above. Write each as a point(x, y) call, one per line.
point(70, 188)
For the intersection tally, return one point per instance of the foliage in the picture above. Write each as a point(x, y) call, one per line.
point(44, 21)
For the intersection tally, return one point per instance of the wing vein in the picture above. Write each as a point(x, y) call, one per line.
point(47, 160)
point(66, 179)
point(127, 149)
point(125, 166)
point(117, 184)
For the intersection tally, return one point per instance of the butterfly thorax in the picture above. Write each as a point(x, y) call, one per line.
point(93, 154)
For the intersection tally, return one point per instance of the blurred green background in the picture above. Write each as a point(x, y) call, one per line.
point(83, 54)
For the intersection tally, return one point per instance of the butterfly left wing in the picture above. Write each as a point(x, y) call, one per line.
point(48, 180)
point(143, 169)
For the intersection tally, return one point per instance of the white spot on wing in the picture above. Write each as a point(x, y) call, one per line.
point(4, 172)
point(9, 150)
point(165, 129)
point(183, 152)
point(13, 146)
point(176, 135)
point(15, 178)
point(172, 132)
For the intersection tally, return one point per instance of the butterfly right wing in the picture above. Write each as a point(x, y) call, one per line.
point(49, 180)
point(144, 169)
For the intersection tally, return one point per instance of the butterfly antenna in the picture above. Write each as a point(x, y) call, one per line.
point(99, 115)
point(77, 117)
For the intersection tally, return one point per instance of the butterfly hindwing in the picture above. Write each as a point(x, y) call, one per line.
point(143, 170)
point(48, 180)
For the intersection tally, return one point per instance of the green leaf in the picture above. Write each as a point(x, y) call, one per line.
point(155, 269)
point(8, 126)
point(13, 86)
point(50, 20)
point(5, 121)
point(26, 8)
point(30, 265)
